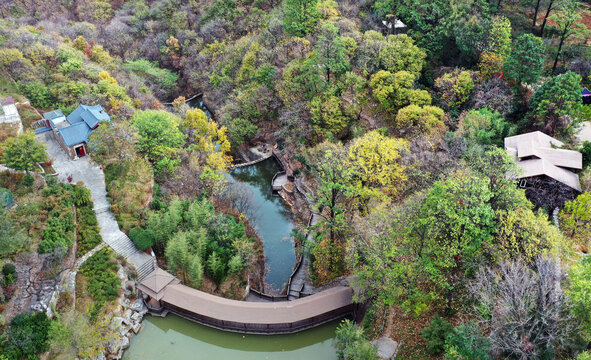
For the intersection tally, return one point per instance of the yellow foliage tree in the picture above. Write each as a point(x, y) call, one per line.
point(210, 141)
point(103, 75)
point(377, 159)
point(490, 64)
point(525, 234)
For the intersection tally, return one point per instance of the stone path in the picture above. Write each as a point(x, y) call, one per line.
point(94, 179)
point(301, 284)
point(585, 132)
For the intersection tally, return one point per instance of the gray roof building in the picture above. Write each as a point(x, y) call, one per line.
point(537, 155)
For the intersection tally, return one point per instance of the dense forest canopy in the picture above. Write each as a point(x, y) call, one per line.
point(392, 114)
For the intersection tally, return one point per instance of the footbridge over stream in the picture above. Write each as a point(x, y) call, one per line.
point(164, 293)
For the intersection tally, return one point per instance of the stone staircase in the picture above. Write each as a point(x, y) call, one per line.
point(39, 124)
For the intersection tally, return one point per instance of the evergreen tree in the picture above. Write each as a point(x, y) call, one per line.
point(300, 17)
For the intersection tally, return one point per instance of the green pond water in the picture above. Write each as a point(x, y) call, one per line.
point(273, 222)
point(176, 338)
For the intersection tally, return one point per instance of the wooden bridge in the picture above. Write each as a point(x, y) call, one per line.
point(163, 293)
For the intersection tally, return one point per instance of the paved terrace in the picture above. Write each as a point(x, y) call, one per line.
point(244, 316)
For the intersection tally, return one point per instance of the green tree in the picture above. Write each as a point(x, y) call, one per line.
point(484, 127)
point(453, 225)
point(159, 138)
point(329, 52)
point(454, 88)
point(300, 17)
point(27, 336)
point(216, 267)
point(579, 294)
point(400, 53)
point(567, 21)
point(12, 239)
point(395, 91)
point(555, 104)
point(352, 344)
point(23, 152)
point(436, 333)
point(466, 342)
point(333, 191)
point(195, 271)
point(177, 254)
point(526, 61)
point(414, 120)
point(575, 219)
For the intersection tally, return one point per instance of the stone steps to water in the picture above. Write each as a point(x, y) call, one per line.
point(144, 269)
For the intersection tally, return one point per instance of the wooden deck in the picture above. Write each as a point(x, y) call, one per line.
point(257, 317)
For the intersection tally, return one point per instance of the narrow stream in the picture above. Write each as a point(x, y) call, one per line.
point(273, 222)
point(176, 338)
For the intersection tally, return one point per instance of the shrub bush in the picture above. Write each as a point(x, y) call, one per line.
point(26, 336)
point(435, 334)
point(88, 231)
point(9, 275)
point(101, 272)
point(466, 342)
point(143, 239)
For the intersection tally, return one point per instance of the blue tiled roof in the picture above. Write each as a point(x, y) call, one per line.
point(91, 115)
point(75, 133)
point(53, 114)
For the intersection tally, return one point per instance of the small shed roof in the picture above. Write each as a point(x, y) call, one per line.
point(156, 281)
point(53, 114)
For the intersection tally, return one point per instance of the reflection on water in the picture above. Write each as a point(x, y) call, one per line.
point(198, 103)
point(176, 338)
point(273, 222)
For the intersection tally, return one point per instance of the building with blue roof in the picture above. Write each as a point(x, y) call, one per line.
point(72, 131)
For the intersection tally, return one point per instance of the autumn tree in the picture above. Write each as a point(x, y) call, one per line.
point(113, 142)
point(395, 91)
point(454, 88)
point(400, 53)
point(300, 17)
point(12, 238)
point(414, 120)
point(23, 152)
point(575, 219)
point(208, 140)
point(377, 162)
point(523, 234)
point(517, 301)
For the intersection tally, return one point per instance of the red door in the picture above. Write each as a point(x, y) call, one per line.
point(80, 152)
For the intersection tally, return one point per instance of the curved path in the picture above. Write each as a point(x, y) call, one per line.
point(94, 179)
point(168, 295)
